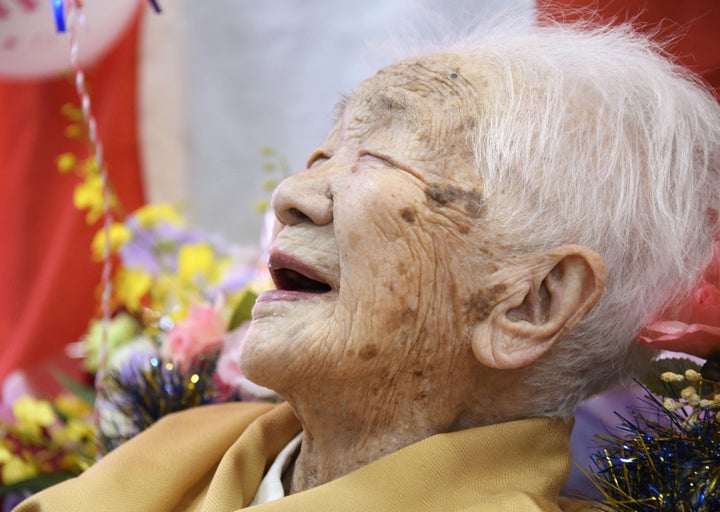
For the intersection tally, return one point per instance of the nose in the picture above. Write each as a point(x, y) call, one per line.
point(304, 197)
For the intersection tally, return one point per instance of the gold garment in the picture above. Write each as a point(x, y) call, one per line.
point(212, 458)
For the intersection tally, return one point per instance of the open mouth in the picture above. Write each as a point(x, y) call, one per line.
point(291, 280)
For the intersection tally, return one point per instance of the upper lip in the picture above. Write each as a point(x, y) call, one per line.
point(290, 273)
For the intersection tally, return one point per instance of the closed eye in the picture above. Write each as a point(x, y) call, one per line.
point(367, 156)
point(388, 162)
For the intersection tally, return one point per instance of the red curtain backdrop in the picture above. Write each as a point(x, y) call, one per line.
point(48, 283)
point(693, 26)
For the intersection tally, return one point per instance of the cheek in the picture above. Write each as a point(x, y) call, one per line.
point(382, 245)
point(388, 262)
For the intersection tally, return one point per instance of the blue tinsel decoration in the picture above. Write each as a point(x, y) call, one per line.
point(661, 462)
point(144, 390)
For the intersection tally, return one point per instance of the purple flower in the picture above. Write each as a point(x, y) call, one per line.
point(13, 499)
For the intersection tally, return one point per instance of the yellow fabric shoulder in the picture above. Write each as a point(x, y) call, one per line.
point(212, 459)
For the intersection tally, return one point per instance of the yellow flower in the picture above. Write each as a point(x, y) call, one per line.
point(72, 406)
point(690, 394)
point(31, 410)
point(120, 234)
point(120, 330)
point(179, 312)
point(5, 454)
point(74, 431)
point(73, 131)
point(90, 166)
point(17, 470)
point(88, 195)
point(80, 459)
point(671, 377)
point(195, 260)
point(671, 405)
point(261, 206)
point(66, 162)
point(692, 376)
point(163, 289)
point(219, 270)
point(131, 285)
point(151, 214)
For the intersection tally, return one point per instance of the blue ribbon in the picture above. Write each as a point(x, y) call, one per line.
point(58, 7)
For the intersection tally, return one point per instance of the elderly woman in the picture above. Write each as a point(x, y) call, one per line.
point(468, 255)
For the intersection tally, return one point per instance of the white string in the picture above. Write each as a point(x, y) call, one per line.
point(76, 19)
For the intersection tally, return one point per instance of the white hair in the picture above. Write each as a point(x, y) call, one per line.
point(594, 137)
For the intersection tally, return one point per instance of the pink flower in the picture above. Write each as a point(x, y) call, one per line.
point(202, 331)
point(14, 387)
point(695, 329)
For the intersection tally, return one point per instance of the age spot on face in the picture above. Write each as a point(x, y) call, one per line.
point(480, 305)
point(368, 352)
point(398, 322)
point(444, 195)
point(408, 215)
point(354, 240)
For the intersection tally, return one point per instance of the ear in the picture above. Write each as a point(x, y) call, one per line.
point(546, 298)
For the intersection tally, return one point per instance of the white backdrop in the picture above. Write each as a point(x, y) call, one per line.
point(232, 76)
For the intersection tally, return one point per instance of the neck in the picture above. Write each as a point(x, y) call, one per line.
point(348, 424)
point(353, 428)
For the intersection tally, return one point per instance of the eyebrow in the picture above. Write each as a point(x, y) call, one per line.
point(391, 104)
point(382, 103)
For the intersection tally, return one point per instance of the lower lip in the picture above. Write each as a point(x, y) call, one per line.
point(263, 303)
point(284, 295)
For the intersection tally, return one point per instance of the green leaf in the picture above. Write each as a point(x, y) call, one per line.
point(243, 311)
point(672, 364)
point(85, 393)
point(36, 483)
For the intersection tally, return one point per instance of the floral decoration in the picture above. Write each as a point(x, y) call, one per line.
point(179, 297)
point(667, 456)
point(695, 326)
point(43, 442)
point(179, 305)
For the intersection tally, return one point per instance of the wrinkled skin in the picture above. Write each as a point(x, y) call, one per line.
point(390, 214)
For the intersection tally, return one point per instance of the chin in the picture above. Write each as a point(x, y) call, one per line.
point(265, 361)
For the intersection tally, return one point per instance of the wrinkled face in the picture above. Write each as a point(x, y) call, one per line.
point(383, 259)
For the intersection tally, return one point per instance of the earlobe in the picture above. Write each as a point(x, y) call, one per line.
point(547, 297)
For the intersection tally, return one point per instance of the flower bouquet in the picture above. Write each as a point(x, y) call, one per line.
point(174, 308)
point(42, 442)
point(178, 295)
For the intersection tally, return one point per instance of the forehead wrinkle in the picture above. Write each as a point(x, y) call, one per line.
point(396, 106)
point(433, 100)
point(437, 77)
